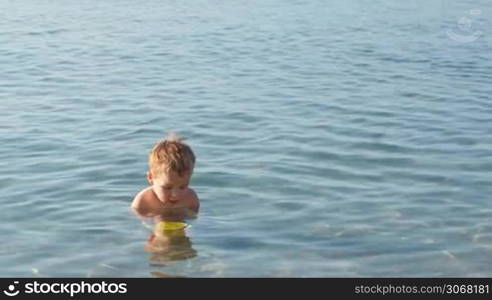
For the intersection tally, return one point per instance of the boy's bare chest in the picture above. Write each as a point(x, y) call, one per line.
point(152, 202)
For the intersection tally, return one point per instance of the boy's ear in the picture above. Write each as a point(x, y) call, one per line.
point(149, 177)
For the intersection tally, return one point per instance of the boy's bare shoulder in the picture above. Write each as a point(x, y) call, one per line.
point(142, 201)
point(193, 201)
point(139, 198)
point(145, 203)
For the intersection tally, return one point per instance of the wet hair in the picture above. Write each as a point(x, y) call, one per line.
point(171, 154)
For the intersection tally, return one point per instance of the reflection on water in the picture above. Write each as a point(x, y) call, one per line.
point(168, 241)
point(169, 245)
point(164, 275)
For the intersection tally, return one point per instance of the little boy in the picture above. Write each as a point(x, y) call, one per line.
point(171, 164)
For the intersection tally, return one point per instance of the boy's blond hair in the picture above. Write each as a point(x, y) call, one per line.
point(171, 154)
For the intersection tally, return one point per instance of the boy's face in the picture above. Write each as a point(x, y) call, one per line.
point(169, 187)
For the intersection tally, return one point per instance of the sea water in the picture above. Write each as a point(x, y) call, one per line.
point(333, 138)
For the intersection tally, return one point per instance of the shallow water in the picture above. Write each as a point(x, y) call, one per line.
point(342, 139)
